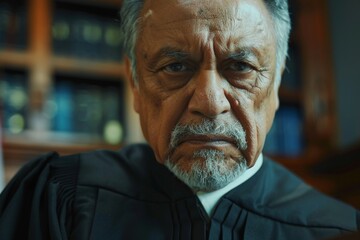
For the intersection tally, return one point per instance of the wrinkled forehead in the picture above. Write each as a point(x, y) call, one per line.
point(215, 13)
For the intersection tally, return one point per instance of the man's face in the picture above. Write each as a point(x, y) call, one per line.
point(206, 69)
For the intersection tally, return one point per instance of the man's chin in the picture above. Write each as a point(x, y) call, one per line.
point(207, 170)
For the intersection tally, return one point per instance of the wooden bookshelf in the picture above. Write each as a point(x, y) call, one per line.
point(41, 65)
point(15, 59)
point(113, 70)
point(315, 96)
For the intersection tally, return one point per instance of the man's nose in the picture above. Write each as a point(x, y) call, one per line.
point(209, 99)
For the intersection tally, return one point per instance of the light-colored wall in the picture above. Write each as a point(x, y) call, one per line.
point(345, 36)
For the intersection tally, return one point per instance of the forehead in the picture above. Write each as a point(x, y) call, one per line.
point(226, 21)
point(174, 10)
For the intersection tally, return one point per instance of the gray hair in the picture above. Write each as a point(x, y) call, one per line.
point(130, 18)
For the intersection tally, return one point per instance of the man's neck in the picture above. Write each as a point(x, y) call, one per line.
point(210, 199)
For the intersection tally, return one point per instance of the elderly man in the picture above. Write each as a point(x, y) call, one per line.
point(205, 78)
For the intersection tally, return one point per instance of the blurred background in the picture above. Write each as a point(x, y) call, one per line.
point(62, 88)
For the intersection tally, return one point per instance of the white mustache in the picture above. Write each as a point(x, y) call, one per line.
point(220, 130)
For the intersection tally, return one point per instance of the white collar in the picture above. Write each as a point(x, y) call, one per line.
point(209, 199)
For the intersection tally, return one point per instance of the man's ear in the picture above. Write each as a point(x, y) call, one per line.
point(133, 85)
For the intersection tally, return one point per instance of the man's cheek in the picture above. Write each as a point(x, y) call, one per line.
point(243, 109)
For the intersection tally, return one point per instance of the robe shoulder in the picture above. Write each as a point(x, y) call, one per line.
point(51, 197)
point(276, 197)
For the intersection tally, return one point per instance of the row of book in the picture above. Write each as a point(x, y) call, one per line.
point(87, 108)
point(75, 32)
point(13, 25)
point(14, 100)
point(86, 35)
point(286, 135)
point(74, 107)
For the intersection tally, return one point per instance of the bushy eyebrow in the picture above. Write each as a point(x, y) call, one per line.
point(239, 54)
point(170, 53)
point(179, 55)
point(243, 54)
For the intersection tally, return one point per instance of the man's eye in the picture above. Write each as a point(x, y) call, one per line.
point(176, 67)
point(240, 67)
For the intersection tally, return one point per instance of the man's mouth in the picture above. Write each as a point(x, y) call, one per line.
point(215, 140)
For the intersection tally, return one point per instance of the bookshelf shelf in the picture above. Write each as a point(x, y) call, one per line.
point(86, 67)
point(51, 140)
point(13, 58)
point(23, 147)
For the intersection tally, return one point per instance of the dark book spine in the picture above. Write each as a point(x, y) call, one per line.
point(63, 98)
point(286, 135)
point(13, 26)
point(4, 23)
point(272, 143)
point(112, 40)
point(113, 129)
point(22, 28)
point(85, 35)
point(14, 97)
point(61, 33)
point(291, 131)
point(88, 109)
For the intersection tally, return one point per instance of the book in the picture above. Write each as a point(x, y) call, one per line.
point(13, 25)
point(4, 23)
point(89, 107)
point(113, 116)
point(60, 31)
point(63, 117)
point(112, 41)
point(14, 97)
point(291, 131)
point(86, 34)
point(286, 135)
point(273, 139)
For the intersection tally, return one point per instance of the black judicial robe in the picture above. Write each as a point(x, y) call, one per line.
point(127, 195)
